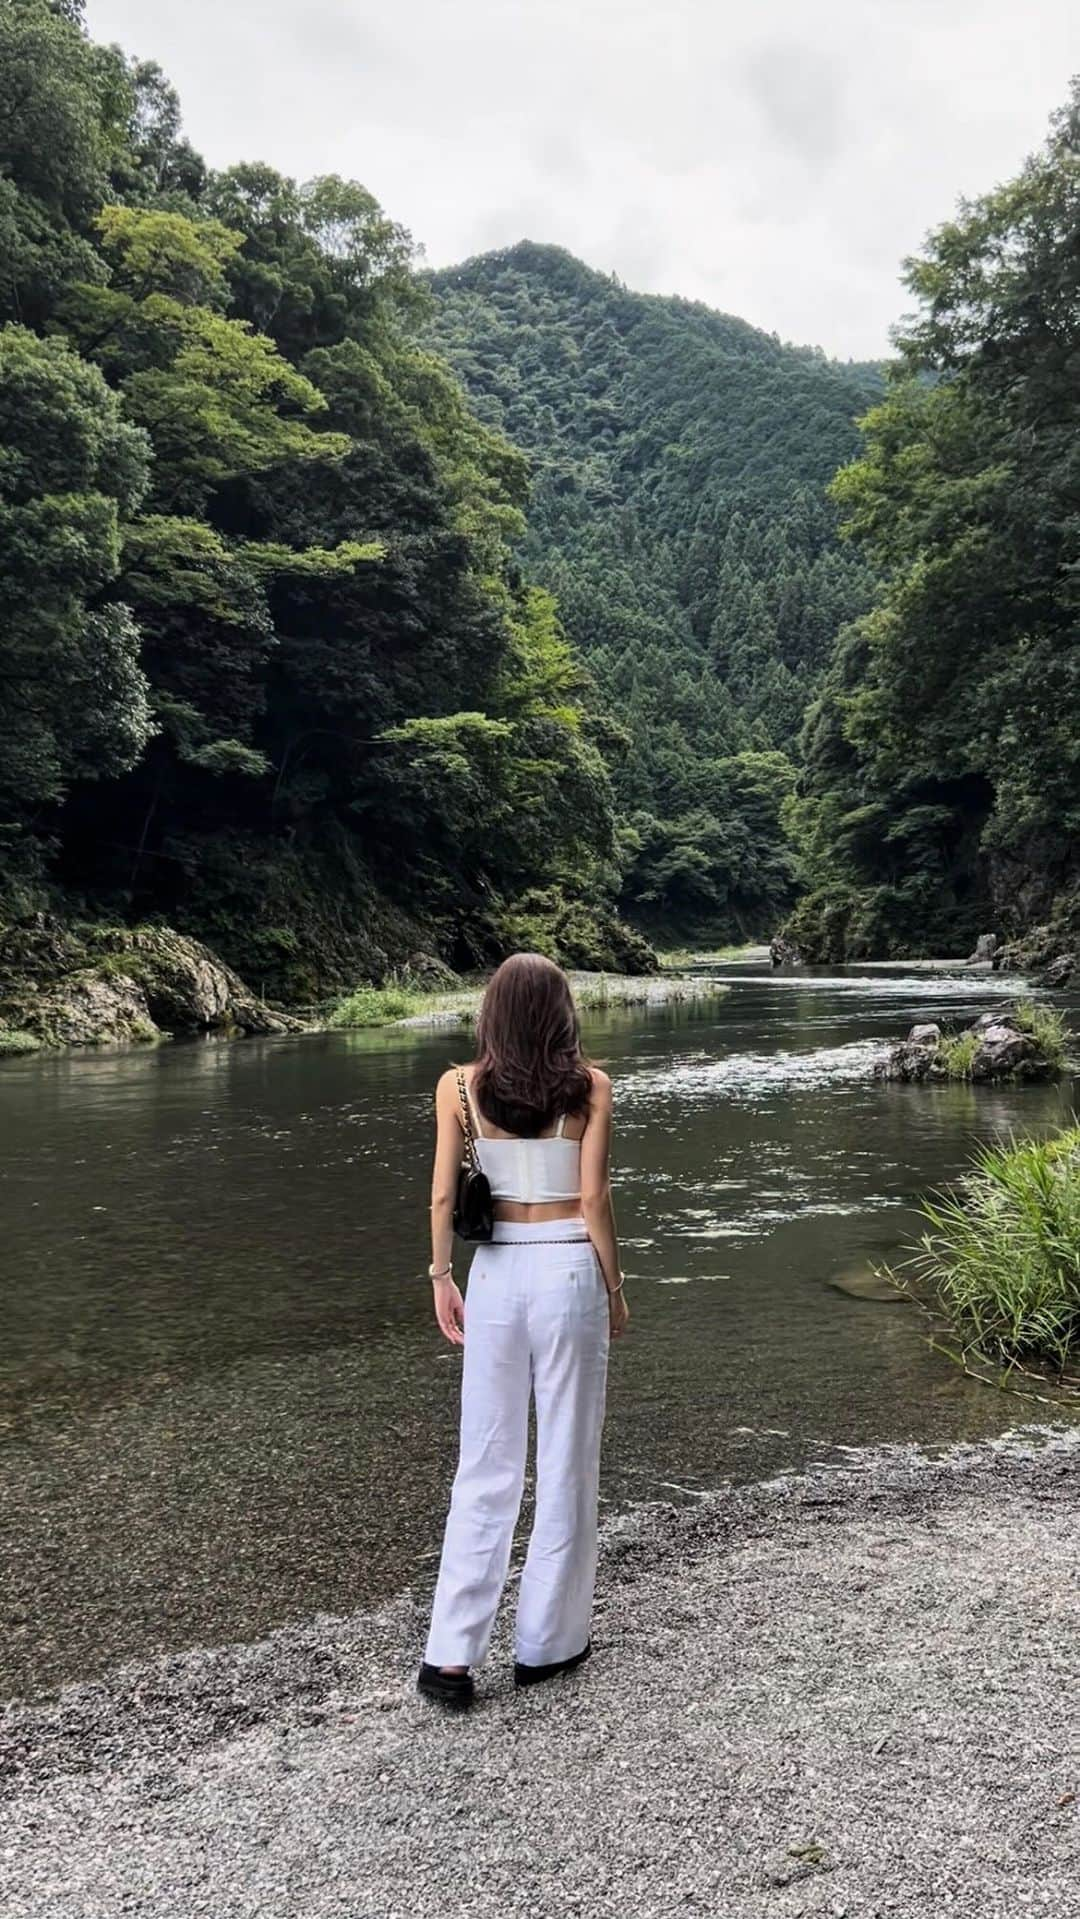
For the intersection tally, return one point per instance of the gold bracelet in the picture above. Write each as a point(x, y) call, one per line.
point(441, 1272)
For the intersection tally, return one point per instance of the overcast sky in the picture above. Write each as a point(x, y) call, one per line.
point(776, 158)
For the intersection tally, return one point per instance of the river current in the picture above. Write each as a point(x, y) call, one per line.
point(224, 1401)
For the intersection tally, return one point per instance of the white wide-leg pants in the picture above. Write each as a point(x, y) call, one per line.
point(536, 1317)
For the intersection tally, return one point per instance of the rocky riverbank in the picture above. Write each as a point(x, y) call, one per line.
point(64, 986)
point(98, 985)
point(847, 1693)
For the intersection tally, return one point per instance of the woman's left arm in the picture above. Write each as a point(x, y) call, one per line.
point(449, 1152)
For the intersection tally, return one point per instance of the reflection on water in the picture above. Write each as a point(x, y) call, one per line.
point(226, 1403)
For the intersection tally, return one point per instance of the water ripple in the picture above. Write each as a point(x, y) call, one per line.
point(745, 1075)
point(907, 985)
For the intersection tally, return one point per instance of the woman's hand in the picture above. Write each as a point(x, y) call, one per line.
point(618, 1313)
point(449, 1309)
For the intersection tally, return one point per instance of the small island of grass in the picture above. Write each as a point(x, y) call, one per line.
point(1027, 1040)
point(401, 1001)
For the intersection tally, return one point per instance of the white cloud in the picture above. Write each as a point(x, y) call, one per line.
point(776, 158)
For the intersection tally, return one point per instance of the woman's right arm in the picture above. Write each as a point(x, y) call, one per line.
point(449, 1151)
point(599, 1213)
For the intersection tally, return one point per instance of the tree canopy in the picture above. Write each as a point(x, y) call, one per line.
point(270, 666)
point(942, 780)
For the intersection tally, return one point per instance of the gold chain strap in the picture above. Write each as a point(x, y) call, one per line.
point(470, 1143)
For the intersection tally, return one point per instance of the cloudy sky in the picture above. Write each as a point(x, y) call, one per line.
point(776, 158)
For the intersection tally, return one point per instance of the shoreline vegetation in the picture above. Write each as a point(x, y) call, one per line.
point(87, 986)
point(1001, 1261)
point(397, 1004)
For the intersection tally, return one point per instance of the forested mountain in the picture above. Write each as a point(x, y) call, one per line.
point(679, 465)
point(942, 786)
point(269, 666)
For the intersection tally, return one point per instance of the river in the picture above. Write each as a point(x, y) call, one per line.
point(225, 1405)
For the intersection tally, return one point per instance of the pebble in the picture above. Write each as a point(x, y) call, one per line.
point(861, 1708)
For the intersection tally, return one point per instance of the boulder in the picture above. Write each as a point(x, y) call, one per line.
point(189, 990)
point(865, 1280)
point(95, 985)
point(430, 972)
point(998, 1048)
point(1060, 970)
point(782, 952)
point(908, 1060)
point(1002, 1052)
point(985, 948)
point(1050, 954)
point(912, 1058)
point(88, 1008)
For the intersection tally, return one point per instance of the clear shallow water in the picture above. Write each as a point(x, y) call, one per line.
point(224, 1402)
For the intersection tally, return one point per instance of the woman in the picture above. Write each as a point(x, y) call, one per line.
point(544, 1296)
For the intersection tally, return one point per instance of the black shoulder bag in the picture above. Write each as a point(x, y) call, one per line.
point(474, 1212)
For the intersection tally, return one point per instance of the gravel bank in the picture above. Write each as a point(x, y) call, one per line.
point(853, 1694)
point(593, 992)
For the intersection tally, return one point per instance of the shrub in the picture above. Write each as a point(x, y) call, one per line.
point(1003, 1252)
point(575, 933)
point(14, 1042)
point(374, 1006)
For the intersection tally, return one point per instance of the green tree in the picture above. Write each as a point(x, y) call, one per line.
point(73, 698)
point(942, 763)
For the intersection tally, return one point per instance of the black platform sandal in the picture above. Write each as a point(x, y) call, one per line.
point(535, 1675)
point(454, 1690)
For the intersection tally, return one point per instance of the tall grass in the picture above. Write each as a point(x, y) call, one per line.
point(374, 1005)
point(1045, 1025)
point(676, 956)
point(957, 1051)
point(1003, 1252)
point(593, 992)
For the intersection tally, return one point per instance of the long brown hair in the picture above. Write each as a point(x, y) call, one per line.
point(529, 1062)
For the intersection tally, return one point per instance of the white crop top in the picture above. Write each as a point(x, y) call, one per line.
point(531, 1171)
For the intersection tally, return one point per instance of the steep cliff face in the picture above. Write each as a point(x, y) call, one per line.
point(1041, 924)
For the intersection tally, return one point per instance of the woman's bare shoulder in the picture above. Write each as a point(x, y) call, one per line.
point(601, 1083)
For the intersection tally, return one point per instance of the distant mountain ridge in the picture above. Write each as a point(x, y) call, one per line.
point(573, 299)
point(680, 459)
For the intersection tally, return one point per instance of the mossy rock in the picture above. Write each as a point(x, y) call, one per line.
point(1023, 1042)
point(87, 1009)
point(89, 985)
point(188, 989)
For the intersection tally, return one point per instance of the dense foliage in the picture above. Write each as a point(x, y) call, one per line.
point(680, 459)
point(268, 666)
point(942, 785)
point(332, 657)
